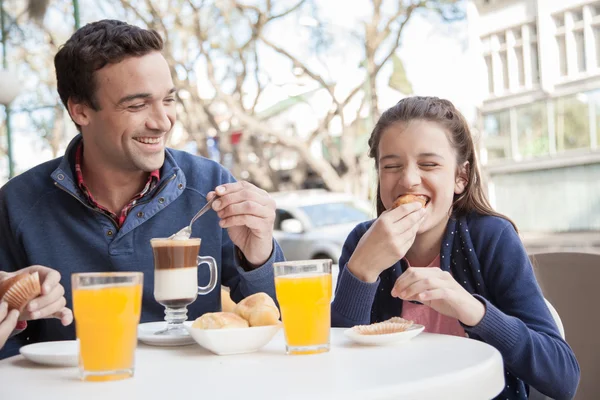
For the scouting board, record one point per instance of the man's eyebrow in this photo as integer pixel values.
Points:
(142, 96)
(135, 96)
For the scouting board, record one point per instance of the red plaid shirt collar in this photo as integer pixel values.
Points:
(119, 219)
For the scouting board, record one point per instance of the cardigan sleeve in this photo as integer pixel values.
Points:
(354, 298)
(518, 323)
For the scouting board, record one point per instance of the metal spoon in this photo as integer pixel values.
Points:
(186, 232)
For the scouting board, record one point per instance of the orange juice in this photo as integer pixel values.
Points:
(106, 320)
(305, 310)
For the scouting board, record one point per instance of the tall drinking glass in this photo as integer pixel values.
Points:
(107, 309)
(303, 291)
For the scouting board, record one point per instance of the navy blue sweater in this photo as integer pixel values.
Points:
(486, 256)
(46, 220)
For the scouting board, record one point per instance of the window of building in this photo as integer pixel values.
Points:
(594, 98)
(497, 135)
(559, 20)
(520, 66)
(517, 35)
(504, 62)
(518, 45)
(562, 54)
(577, 15)
(535, 64)
(576, 126)
(580, 50)
(490, 73)
(572, 39)
(571, 122)
(532, 129)
(597, 40)
(502, 38)
(597, 112)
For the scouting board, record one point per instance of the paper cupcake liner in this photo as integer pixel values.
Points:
(25, 289)
(399, 320)
(393, 325)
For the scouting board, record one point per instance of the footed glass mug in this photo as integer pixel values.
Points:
(176, 265)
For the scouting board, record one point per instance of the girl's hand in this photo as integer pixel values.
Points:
(386, 241)
(51, 303)
(438, 290)
(8, 322)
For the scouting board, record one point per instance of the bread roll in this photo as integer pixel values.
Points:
(410, 198)
(227, 304)
(220, 320)
(258, 309)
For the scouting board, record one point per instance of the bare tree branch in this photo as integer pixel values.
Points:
(289, 11)
(394, 48)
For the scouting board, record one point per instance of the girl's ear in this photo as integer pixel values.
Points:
(462, 178)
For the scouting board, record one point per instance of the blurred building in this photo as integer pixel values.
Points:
(541, 115)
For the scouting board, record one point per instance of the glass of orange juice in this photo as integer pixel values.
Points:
(107, 310)
(303, 291)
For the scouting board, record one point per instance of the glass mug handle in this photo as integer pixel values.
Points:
(212, 266)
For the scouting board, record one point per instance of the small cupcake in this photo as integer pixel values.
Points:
(20, 289)
(392, 325)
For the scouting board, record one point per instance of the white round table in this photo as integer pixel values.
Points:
(429, 366)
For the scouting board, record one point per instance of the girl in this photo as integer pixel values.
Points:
(454, 265)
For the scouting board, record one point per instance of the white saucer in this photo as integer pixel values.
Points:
(146, 334)
(62, 354)
(390, 338)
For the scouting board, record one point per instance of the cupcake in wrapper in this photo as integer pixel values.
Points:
(392, 325)
(20, 289)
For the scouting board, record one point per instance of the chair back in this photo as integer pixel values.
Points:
(571, 282)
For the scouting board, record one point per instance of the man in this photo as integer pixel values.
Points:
(118, 186)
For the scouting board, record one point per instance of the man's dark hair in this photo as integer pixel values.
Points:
(91, 48)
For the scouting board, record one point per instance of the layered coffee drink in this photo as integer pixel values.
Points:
(175, 271)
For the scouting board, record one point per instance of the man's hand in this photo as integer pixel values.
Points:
(248, 213)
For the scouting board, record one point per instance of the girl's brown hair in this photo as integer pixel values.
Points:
(442, 112)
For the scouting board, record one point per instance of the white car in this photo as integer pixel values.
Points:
(313, 224)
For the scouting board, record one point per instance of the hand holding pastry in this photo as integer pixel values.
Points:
(37, 293)
(387, 241)
(410, 198)
(8, 322)
(439, 290)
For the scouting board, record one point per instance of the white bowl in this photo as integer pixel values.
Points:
(385, 339)
(234, 341)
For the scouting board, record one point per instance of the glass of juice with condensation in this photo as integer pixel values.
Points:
(107, 310)
(303, 291)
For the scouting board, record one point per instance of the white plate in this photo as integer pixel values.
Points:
(234, 341)
(146, 334)
(62, 354)
(390, 338)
